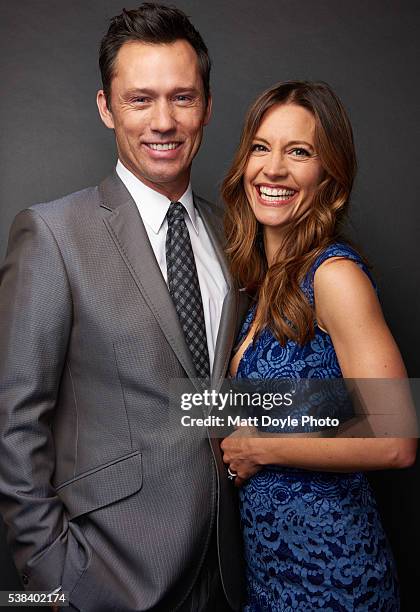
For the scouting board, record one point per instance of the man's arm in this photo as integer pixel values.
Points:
(35, 322)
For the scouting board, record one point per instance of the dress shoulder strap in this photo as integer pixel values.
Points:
(336, 249)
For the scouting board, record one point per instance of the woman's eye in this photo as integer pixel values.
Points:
(258, 148)
(299, 152)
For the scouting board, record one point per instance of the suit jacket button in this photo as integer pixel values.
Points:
(25, 579)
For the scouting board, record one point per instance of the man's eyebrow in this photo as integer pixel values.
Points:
(185, 89)
(139, 91)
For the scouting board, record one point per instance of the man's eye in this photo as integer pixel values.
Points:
(258, 148)
(299, 152)
(182, 98)
(140, 100)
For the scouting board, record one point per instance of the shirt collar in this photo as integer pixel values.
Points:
(152, 205)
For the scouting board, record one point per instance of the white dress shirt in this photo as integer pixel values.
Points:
(153, 207)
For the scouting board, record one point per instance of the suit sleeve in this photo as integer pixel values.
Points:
(35, 324)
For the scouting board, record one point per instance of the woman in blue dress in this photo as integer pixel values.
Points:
(312, 533)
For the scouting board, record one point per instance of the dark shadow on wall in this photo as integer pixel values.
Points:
(397, 494)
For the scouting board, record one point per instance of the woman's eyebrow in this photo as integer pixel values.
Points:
(300, 142)
(289, 143)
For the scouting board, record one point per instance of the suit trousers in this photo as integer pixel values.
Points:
(207, 594)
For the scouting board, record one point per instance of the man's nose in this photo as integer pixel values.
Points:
(163, 119)
(275, 165)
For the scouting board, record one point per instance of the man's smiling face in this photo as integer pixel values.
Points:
(158, 111)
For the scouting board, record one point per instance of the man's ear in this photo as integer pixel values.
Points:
(103, 109)
(207, 116)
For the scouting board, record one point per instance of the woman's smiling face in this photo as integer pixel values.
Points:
(283, 170)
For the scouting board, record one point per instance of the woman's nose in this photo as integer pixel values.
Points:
(275, 166)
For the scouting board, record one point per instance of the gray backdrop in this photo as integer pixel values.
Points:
(52, 141)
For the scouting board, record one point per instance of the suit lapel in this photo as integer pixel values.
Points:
(227, 327)
(129, 234)
(127, 230)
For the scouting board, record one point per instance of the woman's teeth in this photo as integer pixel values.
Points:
(271, 194)
(163, 147)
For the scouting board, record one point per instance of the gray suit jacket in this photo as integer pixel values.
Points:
(100, 491)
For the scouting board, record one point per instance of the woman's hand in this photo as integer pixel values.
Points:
(238, 454)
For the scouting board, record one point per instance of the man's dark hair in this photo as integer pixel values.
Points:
(150, 23)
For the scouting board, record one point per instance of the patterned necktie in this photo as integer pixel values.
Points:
(185, 289)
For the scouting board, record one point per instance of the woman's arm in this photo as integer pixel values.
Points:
(348, 309)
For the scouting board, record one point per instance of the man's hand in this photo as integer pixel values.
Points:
(239, 453)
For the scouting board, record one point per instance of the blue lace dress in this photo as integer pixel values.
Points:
(313, 540)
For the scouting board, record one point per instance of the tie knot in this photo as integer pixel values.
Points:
(175, 212)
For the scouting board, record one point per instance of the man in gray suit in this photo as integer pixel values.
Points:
(107, 295)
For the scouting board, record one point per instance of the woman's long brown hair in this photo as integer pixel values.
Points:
(282, 305)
